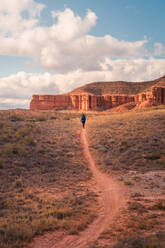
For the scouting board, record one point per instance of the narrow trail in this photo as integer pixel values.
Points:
(111, 199)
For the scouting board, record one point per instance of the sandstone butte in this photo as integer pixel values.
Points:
(104, 95)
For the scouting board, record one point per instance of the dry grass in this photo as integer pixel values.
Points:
(128, 141)
(44, 179)
(43, 176)
(153, 241)
(131, 147)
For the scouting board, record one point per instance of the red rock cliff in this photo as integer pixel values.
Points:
(87, 100)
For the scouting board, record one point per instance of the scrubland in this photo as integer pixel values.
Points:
(130, 147)
(43, 177)
(45, 183)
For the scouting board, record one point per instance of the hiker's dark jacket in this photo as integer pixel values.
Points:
(83, 118)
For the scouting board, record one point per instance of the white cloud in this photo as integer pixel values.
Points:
(159, 49)
(70, 26)
(67, 48)
(67, 45)
(18, 15)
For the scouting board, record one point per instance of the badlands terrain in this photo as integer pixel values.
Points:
(102, 187)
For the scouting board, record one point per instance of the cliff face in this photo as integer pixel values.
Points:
(92, 98)
(48, 102)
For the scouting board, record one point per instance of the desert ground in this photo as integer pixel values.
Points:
(102, 187)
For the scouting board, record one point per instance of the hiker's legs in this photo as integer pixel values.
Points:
(83, 124)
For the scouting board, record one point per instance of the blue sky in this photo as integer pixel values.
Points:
(124, 19)
(50, 47)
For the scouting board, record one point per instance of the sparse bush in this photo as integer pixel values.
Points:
(18, 183)
(151, 156)
(73, 230)
(162, 160)
(160, 205)
(17, 233)
(128, 183)
(29, 141)
(136, 206)
(15, 117)
(63, 213)
(6, 136)
(123, 146)
(20, 135)
(66, 118)
(1, 125)
(43, 169)
(41, 118)
(1, 164)
(19, 150)
(23, 132)
(42, 151)
(37, 130)
(3, 204)
(8, 150)
(53, 117)
(140, 242)
(136, 178)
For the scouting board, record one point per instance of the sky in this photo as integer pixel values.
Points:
(54, 46)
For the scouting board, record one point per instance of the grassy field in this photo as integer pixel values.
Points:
(43, 176)
(45, 183)
(131, 147)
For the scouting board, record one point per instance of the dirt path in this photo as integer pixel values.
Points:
(111, 198)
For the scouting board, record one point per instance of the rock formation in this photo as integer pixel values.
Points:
(101, 96)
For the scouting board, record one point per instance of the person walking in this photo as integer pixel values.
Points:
(83, 120)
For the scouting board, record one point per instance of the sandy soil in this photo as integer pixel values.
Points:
(111, 196)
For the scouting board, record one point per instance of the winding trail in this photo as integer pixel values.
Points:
(111, 199)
